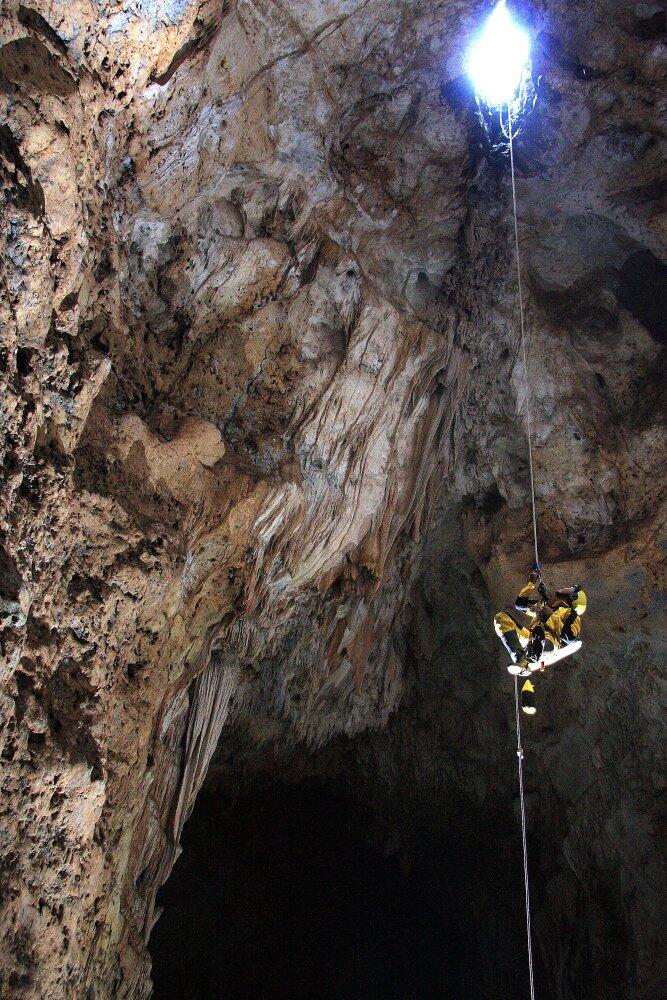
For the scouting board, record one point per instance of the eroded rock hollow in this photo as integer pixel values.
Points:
(264, 484)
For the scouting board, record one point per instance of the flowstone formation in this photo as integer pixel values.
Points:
(264, 460)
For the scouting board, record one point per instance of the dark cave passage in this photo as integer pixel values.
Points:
(280, 897)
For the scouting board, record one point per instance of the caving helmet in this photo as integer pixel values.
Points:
(579, 600)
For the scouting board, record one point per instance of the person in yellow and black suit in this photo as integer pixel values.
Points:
(552, 625)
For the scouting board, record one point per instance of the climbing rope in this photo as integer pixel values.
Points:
(526, 881)
(519, 747)
(524, 352)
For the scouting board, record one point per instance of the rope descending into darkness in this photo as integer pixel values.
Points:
(519, 748)
(526, 881)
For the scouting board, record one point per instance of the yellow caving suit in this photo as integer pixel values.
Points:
(562, 626)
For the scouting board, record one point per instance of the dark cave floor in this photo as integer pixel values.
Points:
(277, 896)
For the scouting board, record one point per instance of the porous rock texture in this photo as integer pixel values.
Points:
(264, 449)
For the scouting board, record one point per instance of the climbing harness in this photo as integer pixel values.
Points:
(519, 747)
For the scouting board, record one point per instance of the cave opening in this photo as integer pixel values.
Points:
(282, 894)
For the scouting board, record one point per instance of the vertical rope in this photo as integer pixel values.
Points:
(529, 428)
(526, 881)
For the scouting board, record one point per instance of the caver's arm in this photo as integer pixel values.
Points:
(527, 603)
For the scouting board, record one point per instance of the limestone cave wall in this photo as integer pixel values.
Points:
(264, 454)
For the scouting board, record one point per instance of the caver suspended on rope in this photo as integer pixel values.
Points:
(499, 65)
(500, 70)
(551, 633)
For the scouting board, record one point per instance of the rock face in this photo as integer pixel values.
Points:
(264, 456)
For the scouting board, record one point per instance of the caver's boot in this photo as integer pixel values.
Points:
(528, 698)
(510, 641)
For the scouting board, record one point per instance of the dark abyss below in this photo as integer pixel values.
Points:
(278, 896)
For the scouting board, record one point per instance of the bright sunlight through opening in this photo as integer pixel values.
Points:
(499, 60)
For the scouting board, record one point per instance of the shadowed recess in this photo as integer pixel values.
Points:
(278, 896)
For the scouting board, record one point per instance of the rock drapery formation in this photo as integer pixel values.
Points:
(264, 462)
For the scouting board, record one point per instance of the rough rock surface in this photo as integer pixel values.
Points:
(264, 456)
